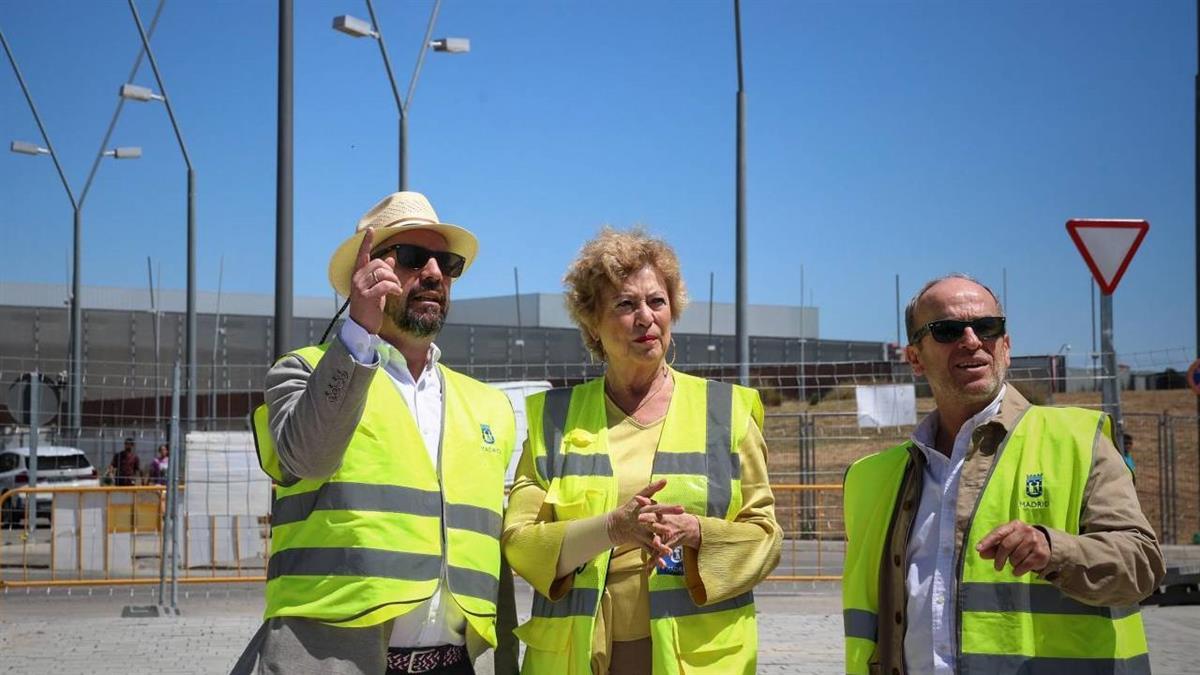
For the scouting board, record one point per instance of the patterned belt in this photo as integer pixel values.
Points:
(425, 659)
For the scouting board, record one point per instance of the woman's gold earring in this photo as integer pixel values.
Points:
(671, 363)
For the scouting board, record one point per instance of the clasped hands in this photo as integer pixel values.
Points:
(656, 528)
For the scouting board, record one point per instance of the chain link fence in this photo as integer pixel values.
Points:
(1166, 471)
(815, 428)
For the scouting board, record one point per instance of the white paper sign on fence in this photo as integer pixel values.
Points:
(223, 476)
(886, 405)
(227, 500)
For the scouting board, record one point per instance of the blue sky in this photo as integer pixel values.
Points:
(883, 137)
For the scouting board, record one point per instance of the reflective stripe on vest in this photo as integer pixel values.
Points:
(667, 603)
(384, 499)
(573, 465)
(1022, 597)
(554, 422)
(860, 623)
(366, 544)
(1006, 624)
(990, 664)
(577, 602)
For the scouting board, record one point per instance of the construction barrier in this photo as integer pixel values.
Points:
(814, 533)
(114, 536)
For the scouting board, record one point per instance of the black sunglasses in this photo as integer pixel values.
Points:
(951, 330)
(415, 257)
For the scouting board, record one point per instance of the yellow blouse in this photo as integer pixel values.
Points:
(734, 556)
(630, 447)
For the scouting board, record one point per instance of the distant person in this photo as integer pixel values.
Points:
(1003, 537)
(388, 471)
(158, 465)
(1127, 453)
(125, 467)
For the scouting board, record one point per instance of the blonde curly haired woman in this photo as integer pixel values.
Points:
(641, 514)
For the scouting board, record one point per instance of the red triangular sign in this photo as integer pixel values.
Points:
(1107, 247)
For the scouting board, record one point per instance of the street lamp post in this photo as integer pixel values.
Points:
(356, 27)
(75, 377)
(741, 309)
(136, 93)
(1055, 373)
(75, 329)
(282, 333)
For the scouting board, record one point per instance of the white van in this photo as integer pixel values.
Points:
(58, 466)
(516, 392)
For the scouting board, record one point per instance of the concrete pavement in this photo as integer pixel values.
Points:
(82, 632)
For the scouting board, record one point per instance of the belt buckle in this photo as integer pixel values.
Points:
(412, 661)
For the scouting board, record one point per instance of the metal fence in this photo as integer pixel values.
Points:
(1167, 466)
(120, 536)
(119, 336)
(814, 532)
(115, 536)
(814, 429)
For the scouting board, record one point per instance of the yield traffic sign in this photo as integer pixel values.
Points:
(1107, 247)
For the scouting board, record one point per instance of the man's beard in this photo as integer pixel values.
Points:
(418, 323)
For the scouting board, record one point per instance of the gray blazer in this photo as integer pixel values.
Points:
(312, 415)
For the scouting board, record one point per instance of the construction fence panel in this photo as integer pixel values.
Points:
(114, 536)
(820, 418)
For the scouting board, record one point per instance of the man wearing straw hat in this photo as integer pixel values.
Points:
(389, 473)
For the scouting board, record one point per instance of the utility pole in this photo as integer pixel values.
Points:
(899, 344)
(1095, 354)
(740, 309)
(520, 329)
(283, 186)
(1196, 219)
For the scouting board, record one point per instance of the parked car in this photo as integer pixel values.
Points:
(58, 466)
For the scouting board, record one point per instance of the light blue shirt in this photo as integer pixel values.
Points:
(931, 578)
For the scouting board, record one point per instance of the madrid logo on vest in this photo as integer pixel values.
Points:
(1035, 492)
(489, 439)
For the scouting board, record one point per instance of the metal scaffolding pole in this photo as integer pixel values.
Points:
(740, 306)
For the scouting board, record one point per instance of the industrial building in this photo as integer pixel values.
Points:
(131, 343)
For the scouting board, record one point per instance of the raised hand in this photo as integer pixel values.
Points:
(1019, 543)
(370, 284)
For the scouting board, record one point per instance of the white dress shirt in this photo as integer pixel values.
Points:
(932, 574)
(439, 620)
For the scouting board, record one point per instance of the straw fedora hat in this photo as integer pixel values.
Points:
(395, 212)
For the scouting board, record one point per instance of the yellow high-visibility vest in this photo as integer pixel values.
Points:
(369, 543)
(1006, 624)
(697, 454)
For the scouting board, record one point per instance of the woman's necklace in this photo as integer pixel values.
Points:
(662, 381)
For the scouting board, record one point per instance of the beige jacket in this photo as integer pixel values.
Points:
(1115, 561)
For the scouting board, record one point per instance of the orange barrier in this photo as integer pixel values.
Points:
(814, 533)
(113, 536)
